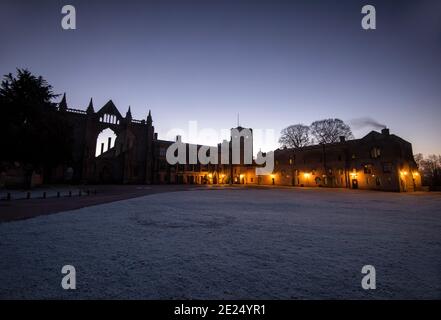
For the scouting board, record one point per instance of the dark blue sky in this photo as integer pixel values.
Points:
(275, 62)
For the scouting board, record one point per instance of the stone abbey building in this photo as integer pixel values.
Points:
(133, 154)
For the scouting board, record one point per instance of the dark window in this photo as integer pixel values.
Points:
(375, 153)
(387, 167)
(377, 181)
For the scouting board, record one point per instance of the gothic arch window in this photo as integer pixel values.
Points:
(109, 118)
(105, 141)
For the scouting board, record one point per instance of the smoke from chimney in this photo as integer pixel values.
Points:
(361, 123)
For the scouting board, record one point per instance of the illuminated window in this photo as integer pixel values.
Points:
(368, 169)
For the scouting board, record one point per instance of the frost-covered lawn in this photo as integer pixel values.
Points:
(231, 244)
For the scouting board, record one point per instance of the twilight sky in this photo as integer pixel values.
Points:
(275, 62)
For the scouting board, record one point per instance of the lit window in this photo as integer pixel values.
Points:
(368, 169)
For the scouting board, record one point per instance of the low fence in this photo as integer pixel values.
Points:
(26, 195)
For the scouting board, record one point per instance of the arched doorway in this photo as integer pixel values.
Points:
(354, 184)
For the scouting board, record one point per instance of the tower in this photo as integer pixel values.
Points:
(149, 152)
(62, 106)
(90, 109)
(129, 115)
(149, 119)
(242, 145)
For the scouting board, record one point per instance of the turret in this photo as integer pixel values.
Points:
(129, 115)
(62, 106)
(149, 119)
(90, 109)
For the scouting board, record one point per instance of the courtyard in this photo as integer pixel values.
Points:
(230, 243)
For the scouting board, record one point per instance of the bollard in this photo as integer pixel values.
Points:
(44, 195)
(88, 192)
(28, 195)
(79, 193)
(8, 196)
(70, 193)
(58, 194)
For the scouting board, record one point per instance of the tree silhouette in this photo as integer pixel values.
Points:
(31, 130)
(295, 136)
(330, 130)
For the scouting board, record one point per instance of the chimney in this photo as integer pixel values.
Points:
(156, 136)
(385, 131)
(342, 139)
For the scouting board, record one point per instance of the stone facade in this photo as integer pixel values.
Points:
(378, 161)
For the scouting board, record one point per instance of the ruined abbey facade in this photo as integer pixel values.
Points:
(133, 154)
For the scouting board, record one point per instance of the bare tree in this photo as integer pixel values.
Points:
(295, 136)
(419, 158)
(431, 164)
(430, 168)
(330, 130)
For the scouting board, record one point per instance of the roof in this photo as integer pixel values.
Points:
(110, 108)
